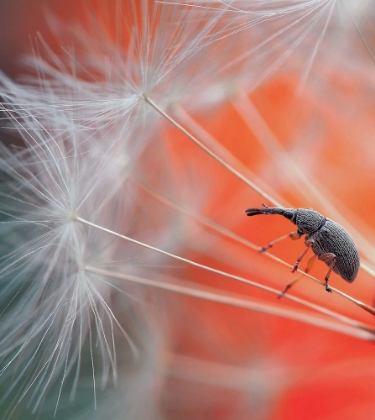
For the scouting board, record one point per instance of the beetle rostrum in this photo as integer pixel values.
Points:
(329, 241)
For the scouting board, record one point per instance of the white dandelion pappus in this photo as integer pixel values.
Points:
(167, 52)
(52, 305)
(57, 175)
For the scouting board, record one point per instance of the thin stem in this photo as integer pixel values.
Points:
(368, 269)
(210, 141)
(211, 295)
(363, 39)
(256, 123)
(254, 187)
(196, 216)
(212, 154)
(241, 279)
(372, 55)
(270, 143)
(227, 233)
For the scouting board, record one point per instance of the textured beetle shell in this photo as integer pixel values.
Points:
(308, 220)
(333, 238)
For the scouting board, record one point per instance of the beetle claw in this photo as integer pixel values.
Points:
(287, 287)
(328, 289)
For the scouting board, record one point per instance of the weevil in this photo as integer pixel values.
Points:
(329, 241)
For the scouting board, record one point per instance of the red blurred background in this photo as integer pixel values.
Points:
(227, 362)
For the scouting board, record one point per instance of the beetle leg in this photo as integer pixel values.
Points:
(309, 265)
(287, 287)
(330, 260)
(295, 235)
(291, 235)
(308, 243)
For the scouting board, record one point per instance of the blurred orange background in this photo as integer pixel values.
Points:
(225, 362)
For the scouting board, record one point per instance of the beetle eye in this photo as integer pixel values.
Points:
(289, 214)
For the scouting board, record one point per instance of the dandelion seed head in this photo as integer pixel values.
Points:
(60, 173)
(147, 53)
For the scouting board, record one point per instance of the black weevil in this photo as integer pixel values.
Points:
(329, 241)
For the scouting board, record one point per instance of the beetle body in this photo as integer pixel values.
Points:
(328, 240)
